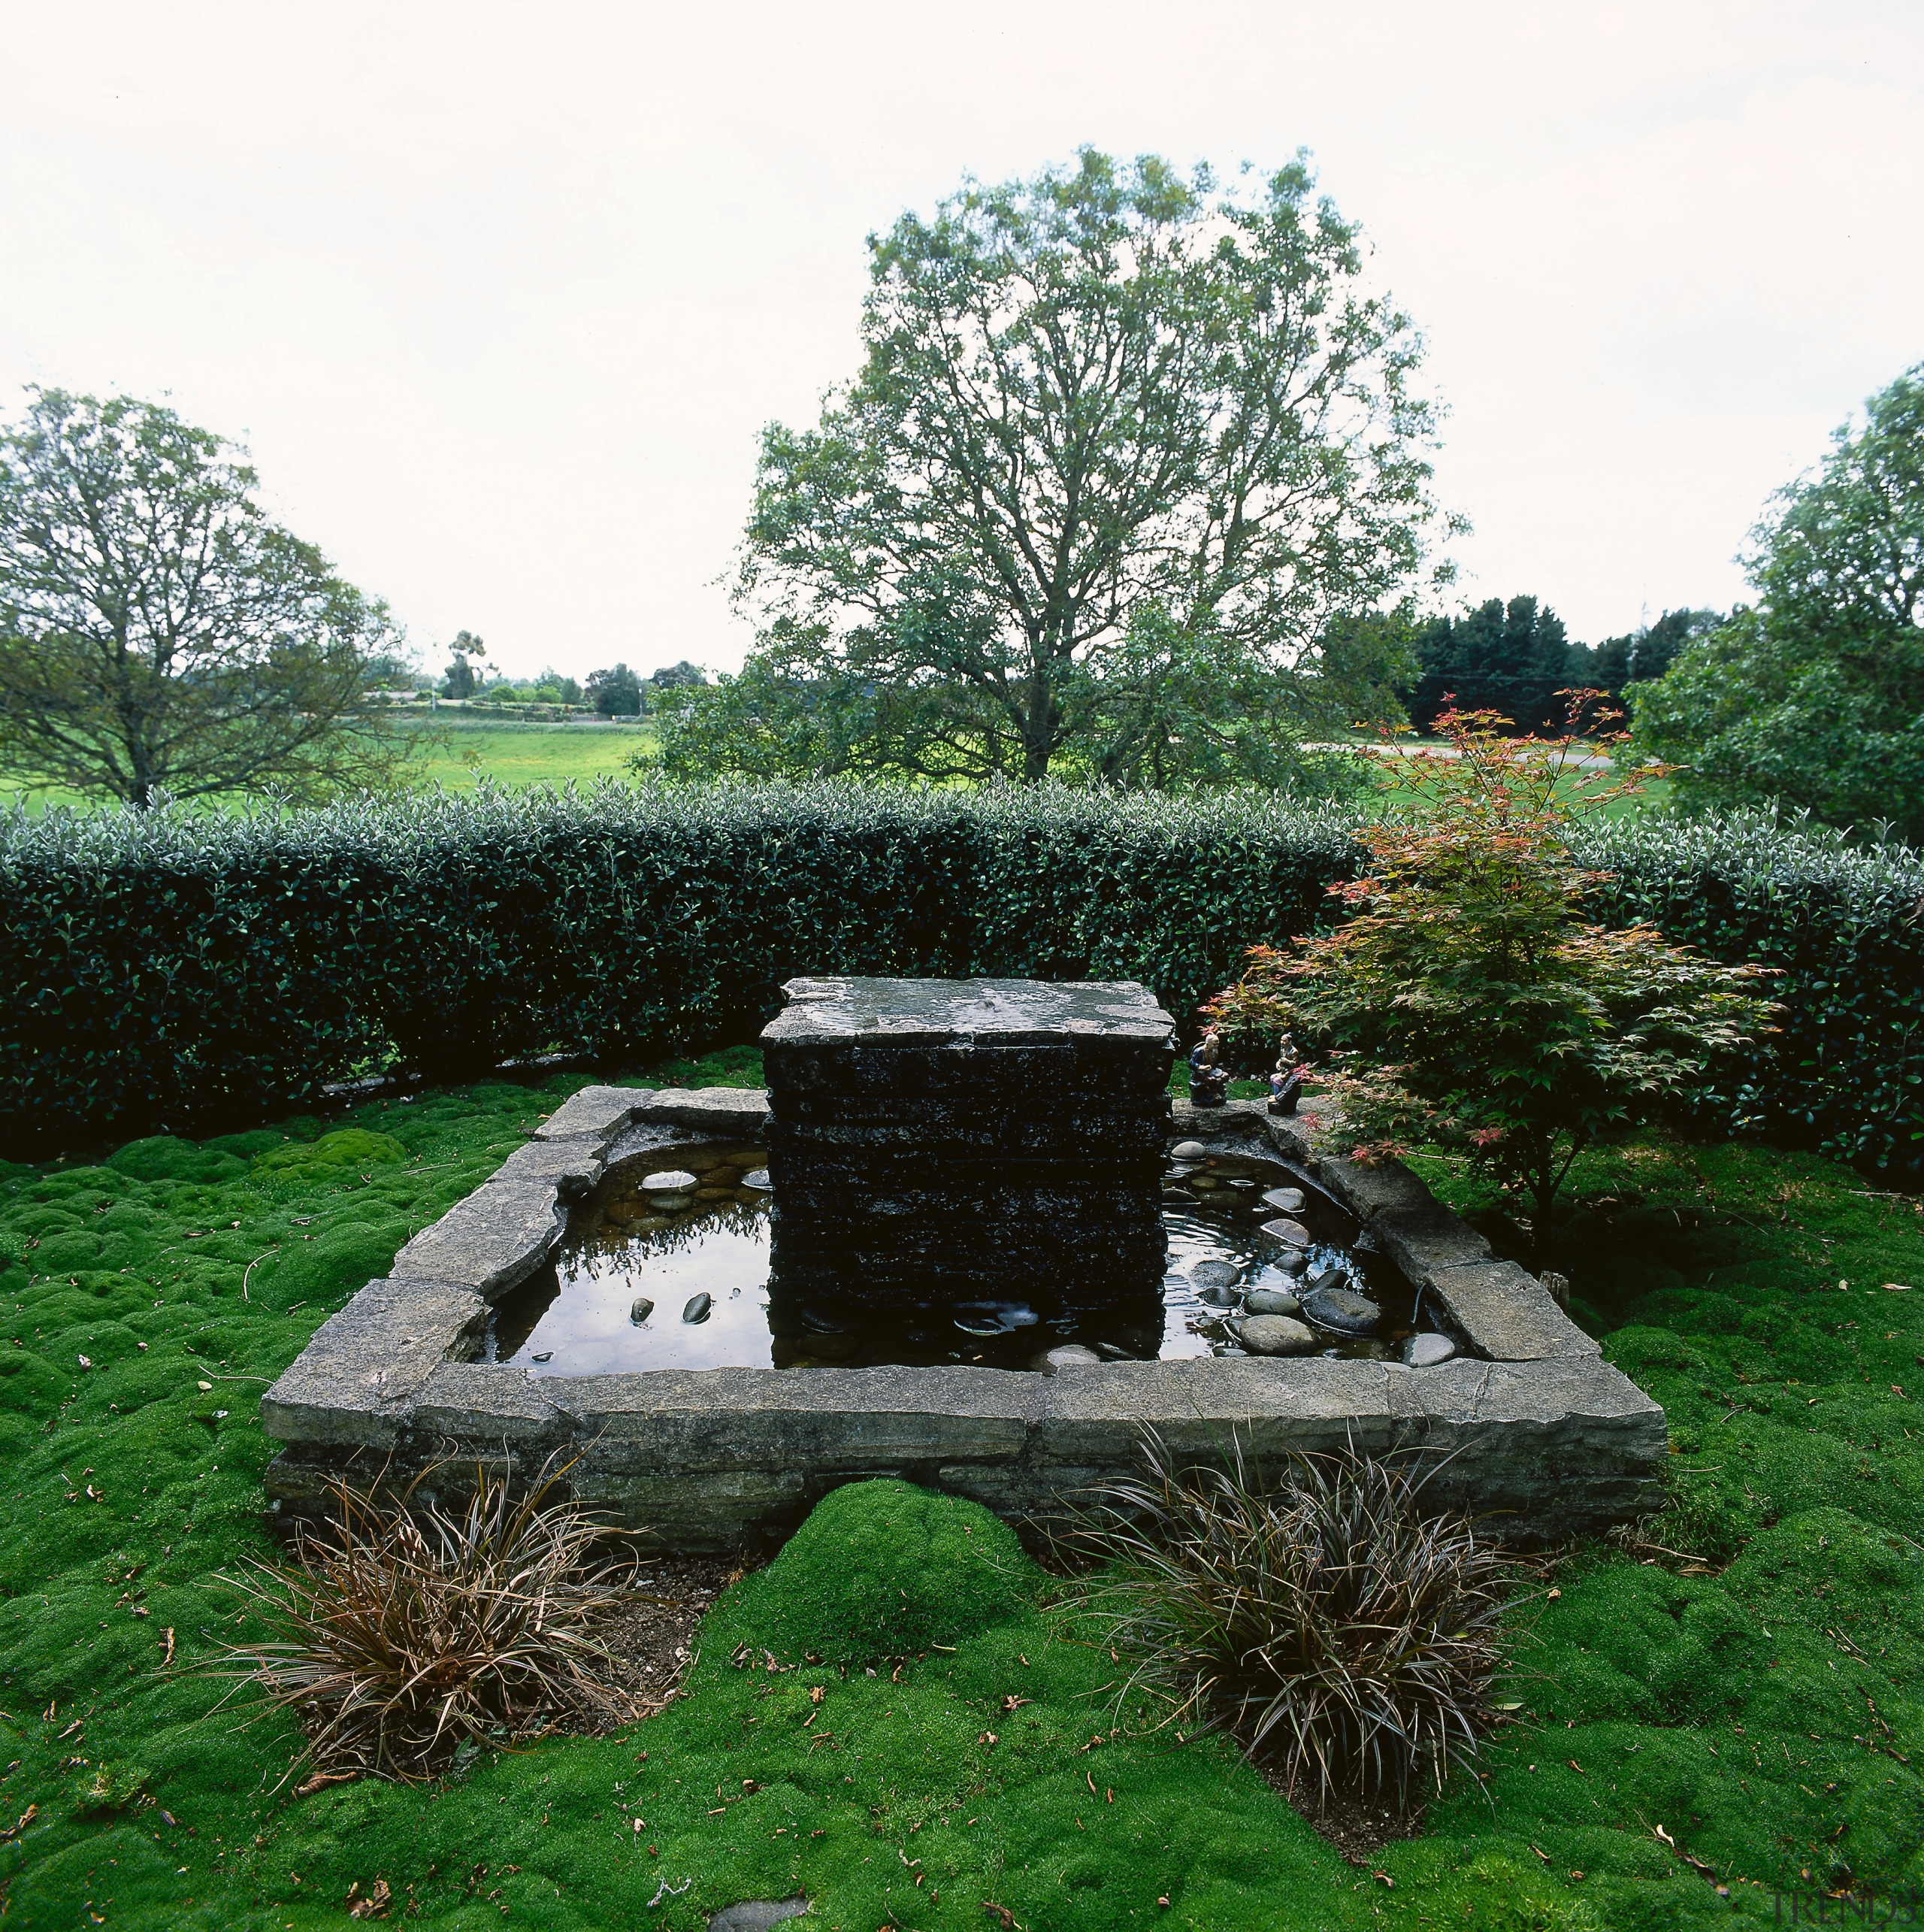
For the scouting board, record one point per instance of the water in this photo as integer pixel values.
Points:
(575, 1317)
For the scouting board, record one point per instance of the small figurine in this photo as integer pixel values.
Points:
(1208, 1083)
(1286, 1083)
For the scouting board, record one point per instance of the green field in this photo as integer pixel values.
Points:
(512, 754)
(1733, 1702)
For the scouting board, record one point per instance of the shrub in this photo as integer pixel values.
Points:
(164, 969)
(1347, 1640)
(409, 1631)
(1471, 993)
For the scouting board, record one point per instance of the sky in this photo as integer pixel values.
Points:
(499, 296)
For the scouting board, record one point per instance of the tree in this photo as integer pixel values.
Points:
(1113, 429)
(1640, 655)
(615, 693)
(1513, 658)
(462, 680)
(1469, 997)
(1814, 697)
(158, 633)
(678, 676)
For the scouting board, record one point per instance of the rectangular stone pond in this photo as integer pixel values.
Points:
(1006, 1139)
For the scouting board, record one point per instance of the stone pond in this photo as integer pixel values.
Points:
(965, 1238)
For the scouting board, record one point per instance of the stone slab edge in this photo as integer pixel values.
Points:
(1562, 1439)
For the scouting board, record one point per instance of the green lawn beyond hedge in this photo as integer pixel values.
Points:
(1737, 1721)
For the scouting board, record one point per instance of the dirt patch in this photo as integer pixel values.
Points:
(651, 1637)
(1358, 1828)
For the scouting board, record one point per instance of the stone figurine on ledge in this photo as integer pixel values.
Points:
(1208, 1081)
(1286, 1083)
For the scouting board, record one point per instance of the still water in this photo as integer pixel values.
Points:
(658, 1273)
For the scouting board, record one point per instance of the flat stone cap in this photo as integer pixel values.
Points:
(982, 1013)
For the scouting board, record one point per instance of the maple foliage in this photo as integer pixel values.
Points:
(1465, 997)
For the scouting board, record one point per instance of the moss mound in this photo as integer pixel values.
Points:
(883, 1569)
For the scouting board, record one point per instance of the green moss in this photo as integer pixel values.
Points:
(1768, 1714)
(885, 1570)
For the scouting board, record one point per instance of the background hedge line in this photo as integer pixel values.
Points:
(174, 971)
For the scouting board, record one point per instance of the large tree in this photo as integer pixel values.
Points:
(1512, 658)
(158, 632)
(1122, 449)
(1814, 697)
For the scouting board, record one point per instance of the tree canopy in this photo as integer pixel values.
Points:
(1127, 455)
(1814, 697)
(158, 632)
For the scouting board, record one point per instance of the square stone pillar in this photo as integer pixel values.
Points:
(934, 1140)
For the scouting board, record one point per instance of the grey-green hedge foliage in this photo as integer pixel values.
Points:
(175, 969)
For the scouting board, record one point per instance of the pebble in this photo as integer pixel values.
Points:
(1291, 1261)
(1236, 1181)
(1189, 1150)
(1294, 1232)
(1286, 1199)
(697, 1307)
(1427, 1351)
(1204, 1181)
(1215, 1274)
(670, 1204)
(715, 1194)
(642, 1309)
(1070, 1355)
(670, 1180)
(649, 1224)
(1340, 1309)
(1109, 1351)
(547, 1355)
(1274, 1335)
(1218, 1296)
(1270, 1301)
(1329, 1278)
(758, 1179)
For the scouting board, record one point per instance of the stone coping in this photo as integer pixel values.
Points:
(871, 1013)
(1535, 1428)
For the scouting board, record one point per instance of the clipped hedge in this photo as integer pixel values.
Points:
(1844, 930)
(172, 970)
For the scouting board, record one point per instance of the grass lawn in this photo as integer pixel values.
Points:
(514, 754)
(1736, 1709)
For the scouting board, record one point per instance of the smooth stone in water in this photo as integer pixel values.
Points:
(1329, 1278)
(1274, 1335)
(547, 1355)
(1215, 1274)
(670, 1180)
(1427, 1351)
(649, 1224)
(1291, 1261)
(1338, 1308)
(758, 1179)
(1207, 1181)
(715, 1194)
(1109, 1351)
(1237, 1181)
(1294, 1232)
(643, 1307)
(1189, 1150)
(1270, 1301)
(697, 1308)
(1218, 1296)
(1070, 1355)
(1286, 1199)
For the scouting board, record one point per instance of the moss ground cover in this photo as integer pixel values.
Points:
(1761, 1705)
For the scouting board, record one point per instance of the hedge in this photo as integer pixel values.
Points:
(173, 970)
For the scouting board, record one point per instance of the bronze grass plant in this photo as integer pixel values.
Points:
(1344, 1637)
(409, 1628)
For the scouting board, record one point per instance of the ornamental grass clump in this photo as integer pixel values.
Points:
(1344, 1637)
(408, 1629)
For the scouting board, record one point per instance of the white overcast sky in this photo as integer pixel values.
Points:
(500, 296)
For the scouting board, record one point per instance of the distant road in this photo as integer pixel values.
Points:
(1595, 761)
